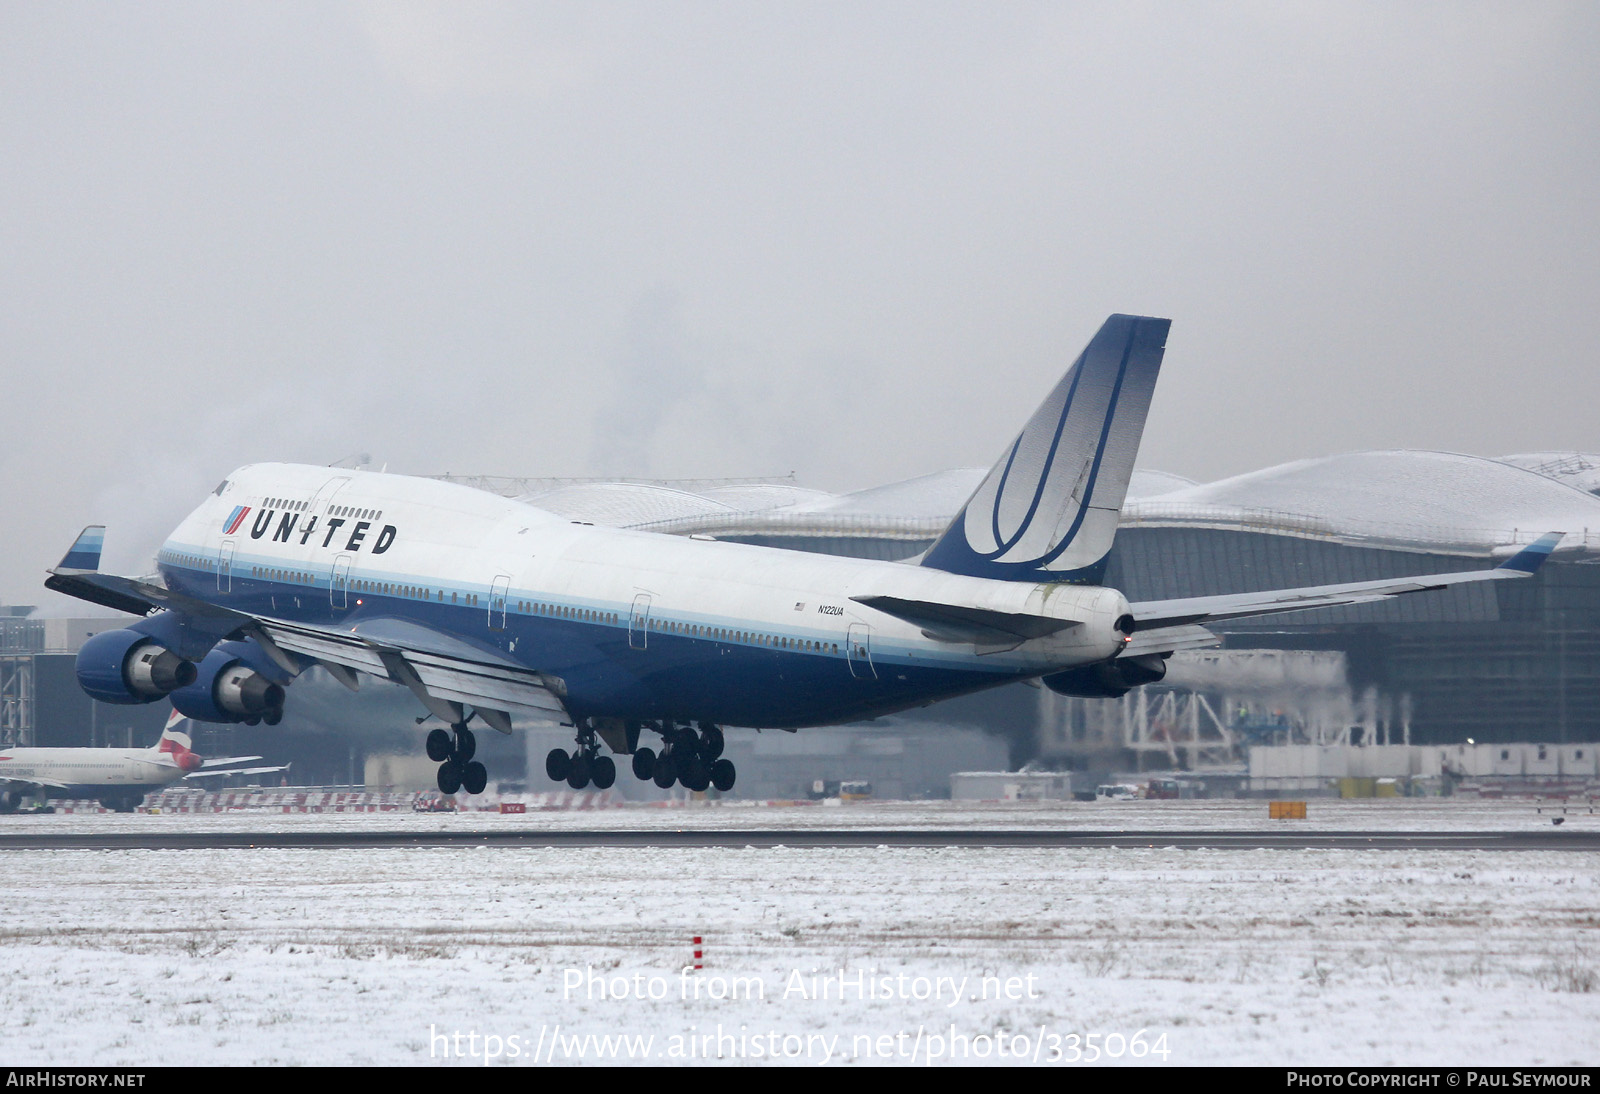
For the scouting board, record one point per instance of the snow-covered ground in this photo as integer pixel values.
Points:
(1188, 957)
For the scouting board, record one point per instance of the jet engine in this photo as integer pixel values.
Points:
(234, 684)
(126, 666)
(1108, 679)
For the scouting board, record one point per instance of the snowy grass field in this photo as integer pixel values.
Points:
(1135, 957)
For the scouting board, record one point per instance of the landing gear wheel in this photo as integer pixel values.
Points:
(578, 772)
(273, 716)
(664, 777)
(449, 777)
(711, 743)
(722, 775)
(466, 744)
(438, 746)
(644, 763)
(695, 777)
(557, 764)
(474, 777)
(604, 772)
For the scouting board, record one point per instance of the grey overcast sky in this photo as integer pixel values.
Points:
(853, 241)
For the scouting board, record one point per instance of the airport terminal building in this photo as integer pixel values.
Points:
(1502, 661)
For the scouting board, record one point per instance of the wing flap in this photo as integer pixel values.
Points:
(451, 678)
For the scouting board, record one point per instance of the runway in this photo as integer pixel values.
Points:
(1552, 839)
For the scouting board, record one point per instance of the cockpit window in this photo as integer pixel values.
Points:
(221, 486)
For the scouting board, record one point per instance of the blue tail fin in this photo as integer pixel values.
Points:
(1048, 510)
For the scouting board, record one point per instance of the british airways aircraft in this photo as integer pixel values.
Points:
(484, 607)
(118, 777)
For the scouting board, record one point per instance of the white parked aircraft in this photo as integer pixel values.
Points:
(118, 777)
(483, 606)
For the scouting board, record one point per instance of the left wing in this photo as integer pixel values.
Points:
(1162, 626)
(442, 671)
(34, 780)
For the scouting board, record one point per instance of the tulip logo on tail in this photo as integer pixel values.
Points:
(235, 518)
(1048, 509)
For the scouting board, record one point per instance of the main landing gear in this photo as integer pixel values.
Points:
(693, 759)
(453, 750)
(583, 765)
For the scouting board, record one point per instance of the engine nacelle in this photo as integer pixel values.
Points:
(228, 688)
(126, 666)
(1108, 679)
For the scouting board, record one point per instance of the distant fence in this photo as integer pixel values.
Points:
(312, 800)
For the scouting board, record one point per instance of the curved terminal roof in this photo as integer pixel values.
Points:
(1577, 469)
(627, 504)
(1421, 500)
(1150, 484)
(1434, 501)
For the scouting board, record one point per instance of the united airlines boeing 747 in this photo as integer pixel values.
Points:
(484, 607)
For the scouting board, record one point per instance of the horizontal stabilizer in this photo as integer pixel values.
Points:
(236, 771)
(958, 623)
(1162, 640)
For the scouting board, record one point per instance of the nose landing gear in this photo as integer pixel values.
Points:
(457, 769)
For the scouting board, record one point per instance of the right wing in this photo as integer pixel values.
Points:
(1163, 626)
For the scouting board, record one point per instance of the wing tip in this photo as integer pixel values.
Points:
(1530, 558)
(84, 554)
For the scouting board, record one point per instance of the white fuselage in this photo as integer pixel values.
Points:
(89, 769)
(637, 624)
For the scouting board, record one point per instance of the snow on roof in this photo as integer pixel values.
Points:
(940, 495)
(1437, 500)
(1441, 501)
(1576, 469)
(1150, 484)
(626, 504)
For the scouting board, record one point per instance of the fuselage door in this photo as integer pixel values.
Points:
(339, 583)
(859, 644)
(225, 567)
(497, 602)
(639, 622)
